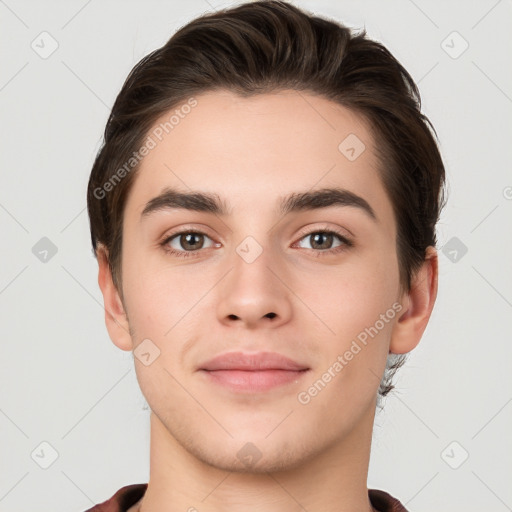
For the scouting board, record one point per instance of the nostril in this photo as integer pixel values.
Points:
(271, 315)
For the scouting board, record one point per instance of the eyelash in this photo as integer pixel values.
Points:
(346, 243)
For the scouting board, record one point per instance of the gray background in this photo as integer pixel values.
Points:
(64, 383)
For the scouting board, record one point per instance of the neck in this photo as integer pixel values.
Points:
(333, 480)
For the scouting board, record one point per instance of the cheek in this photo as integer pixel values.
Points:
(166, 304)
(351, 296)
(357, 305)
(354, 358)
(148, 294)
(153, 303)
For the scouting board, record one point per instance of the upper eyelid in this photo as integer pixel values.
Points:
(303, 233)
(310, 231)
(184, 231)
(344, 239)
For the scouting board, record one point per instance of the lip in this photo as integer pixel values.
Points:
(253, 381)
(253, 372)
(252, 362)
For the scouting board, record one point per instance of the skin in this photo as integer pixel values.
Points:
(251, 152)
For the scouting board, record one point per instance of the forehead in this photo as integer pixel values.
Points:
(253, 150)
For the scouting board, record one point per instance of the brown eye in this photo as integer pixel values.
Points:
(187, 243)
(324, 240)
(321, 240)
(191, 241)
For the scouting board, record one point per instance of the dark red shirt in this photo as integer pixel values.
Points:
(128, 495)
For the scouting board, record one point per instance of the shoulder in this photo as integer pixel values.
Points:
(122, 500)
(128, 495)
(384, 502)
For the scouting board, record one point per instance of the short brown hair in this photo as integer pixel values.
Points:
(263, 47)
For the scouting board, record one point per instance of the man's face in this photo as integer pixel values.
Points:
(257, 280)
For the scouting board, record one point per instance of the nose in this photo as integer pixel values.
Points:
(254, 293)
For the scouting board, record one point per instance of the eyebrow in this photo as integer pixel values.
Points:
(296, 202)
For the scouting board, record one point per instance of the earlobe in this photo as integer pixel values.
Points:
(418, 305)
(116, 319)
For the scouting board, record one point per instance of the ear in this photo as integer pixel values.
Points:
(418, 303)
(116, 319)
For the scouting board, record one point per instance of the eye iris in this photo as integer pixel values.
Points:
(187, 240)
(319, 237)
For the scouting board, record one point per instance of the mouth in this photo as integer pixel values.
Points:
(254, 381)
(252, 362)
(253, 372)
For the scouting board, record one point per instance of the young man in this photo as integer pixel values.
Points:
(263, 212)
